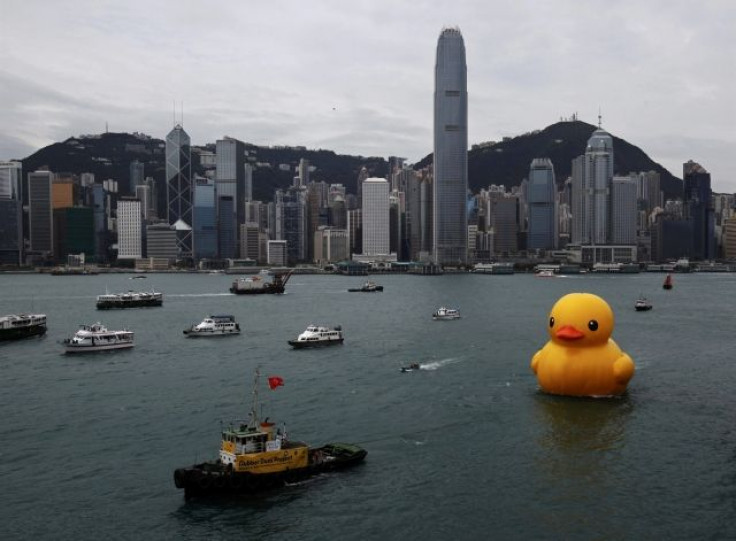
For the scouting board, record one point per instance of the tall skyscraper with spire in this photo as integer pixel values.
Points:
(179, 187)
(450, 186)
(592, 177)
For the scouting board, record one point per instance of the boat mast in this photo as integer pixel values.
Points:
(254, 407)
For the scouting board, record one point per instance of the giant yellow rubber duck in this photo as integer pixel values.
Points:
(581, 358)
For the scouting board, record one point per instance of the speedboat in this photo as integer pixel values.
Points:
(446, 313)
(410, 368)
(90, 338)
(214, 326)
(642, 304)
(317, 336)
(545, 273)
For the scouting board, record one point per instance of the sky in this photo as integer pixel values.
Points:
(357, 76)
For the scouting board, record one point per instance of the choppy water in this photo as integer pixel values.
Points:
(465, 448)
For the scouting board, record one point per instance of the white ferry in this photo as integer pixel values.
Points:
(318, 336)
(14, 326)
(214, 326)
(446, 313)
(96, 337)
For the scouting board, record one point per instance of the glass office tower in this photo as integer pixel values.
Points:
(450, 239)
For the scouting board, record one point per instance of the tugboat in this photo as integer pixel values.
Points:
(13, 326)
(316, 336)
(642, 304)
(91, 338)
(257, 455)
(368, 287)
(214, 326)
(131, 299)
(667, 282)
(446, 313)
(256, 285)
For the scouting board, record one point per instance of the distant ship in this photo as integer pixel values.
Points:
(13, 327)
(91, 338)
(131, 299)
(318, 336)
(257, 285)
(214, 326)
(446, 313)
(367, 287)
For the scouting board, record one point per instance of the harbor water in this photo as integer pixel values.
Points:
(467, 447)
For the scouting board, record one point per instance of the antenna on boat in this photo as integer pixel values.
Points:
(254, 408)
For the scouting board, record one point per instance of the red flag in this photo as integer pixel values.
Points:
(275, 381)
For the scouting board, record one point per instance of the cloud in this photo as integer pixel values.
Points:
(359, 75)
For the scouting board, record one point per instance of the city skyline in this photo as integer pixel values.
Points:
(658, 72)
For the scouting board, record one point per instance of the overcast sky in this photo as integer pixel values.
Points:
(356, 77)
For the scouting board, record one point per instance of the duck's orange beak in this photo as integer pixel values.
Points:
(568, 332)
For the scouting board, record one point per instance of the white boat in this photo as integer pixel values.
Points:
(214, 326)
(96, 337)
(546, 273)
(642, 304)
(446, 313)
(317, 336)
(20, 326)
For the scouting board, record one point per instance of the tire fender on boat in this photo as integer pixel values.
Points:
(180, 478)
(236, 481)
(252, 482)
(204, 481)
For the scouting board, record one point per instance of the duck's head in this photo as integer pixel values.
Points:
(580, 319)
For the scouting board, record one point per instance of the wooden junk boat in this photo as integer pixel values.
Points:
(257, 455)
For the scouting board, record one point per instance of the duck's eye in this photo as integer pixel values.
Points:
(551, 322)
(593, 325)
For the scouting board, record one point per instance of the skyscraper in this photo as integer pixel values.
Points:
(230, 183)
(179, 184)
(541, 194)
(130, 229)
(450, 150)
(205, 219)
(592, 175)
(699, 209)
(11, 213)
(40, 219)
(623, 210)
(376, 217)
(136, 175)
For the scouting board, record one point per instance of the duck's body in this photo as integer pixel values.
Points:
(581, 359)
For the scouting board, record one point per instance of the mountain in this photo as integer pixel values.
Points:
(507, 162)
(109, 155)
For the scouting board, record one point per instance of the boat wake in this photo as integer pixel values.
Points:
(436, 365)
(201, 295)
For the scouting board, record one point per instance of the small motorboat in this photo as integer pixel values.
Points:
(214, 326)
(318, 336)
(410, 368)
(545, 273)
(446, 313)
(642, 304)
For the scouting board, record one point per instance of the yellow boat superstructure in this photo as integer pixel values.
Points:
(261, 449)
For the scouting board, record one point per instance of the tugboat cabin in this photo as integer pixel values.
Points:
(262, 449)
